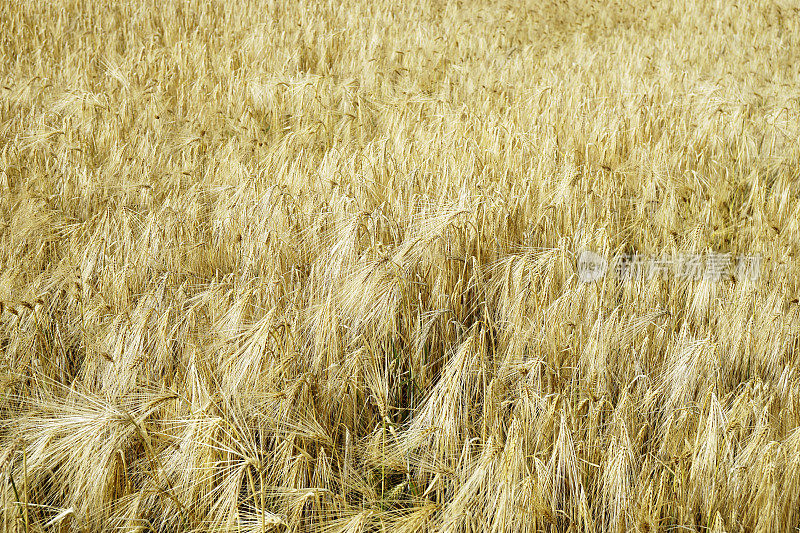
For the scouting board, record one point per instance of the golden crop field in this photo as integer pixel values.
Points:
(349, 266)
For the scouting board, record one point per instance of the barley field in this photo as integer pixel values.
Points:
(315, 266)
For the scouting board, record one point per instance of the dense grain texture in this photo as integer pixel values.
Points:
(298, 266)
